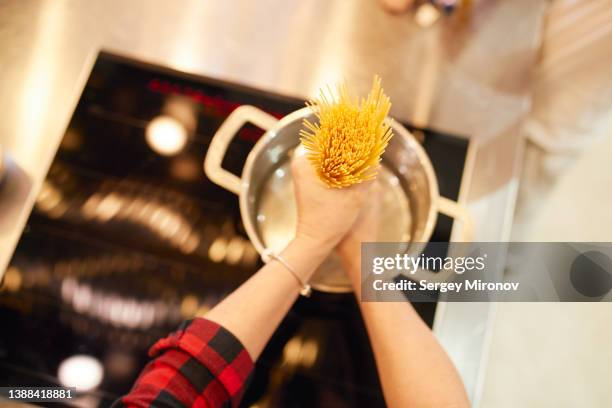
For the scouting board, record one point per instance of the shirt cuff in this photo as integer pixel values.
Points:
(216, 349)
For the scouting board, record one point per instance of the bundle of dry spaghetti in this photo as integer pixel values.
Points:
(346, 145)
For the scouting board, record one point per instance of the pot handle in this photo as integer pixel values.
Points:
(459, 213)
(223, 137)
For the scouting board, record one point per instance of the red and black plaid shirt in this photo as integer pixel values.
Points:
(200, 365)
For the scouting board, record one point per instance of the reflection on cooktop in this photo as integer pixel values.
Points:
(128, 238)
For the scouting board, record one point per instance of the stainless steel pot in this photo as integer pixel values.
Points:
(410, 202)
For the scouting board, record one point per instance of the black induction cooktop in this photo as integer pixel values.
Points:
(128, 238)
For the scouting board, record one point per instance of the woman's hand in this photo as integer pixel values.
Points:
(365, 229)
(325, 214)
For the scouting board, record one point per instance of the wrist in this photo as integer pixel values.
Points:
(315, 247)
(305, 254)
(350, 258)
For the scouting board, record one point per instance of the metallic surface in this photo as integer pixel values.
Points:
(468, 76)
(409, 188)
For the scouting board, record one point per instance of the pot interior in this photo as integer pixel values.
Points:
(406, 195)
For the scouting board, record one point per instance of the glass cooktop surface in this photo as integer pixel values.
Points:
(128, 238)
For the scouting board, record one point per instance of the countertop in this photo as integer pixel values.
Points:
(464, 76)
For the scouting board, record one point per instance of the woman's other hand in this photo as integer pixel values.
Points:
(325, 214)
(365, 229)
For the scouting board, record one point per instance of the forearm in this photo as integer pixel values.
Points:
(190, 363)
(254, 310)
(414, 369)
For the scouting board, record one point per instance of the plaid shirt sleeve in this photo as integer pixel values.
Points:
(200, 365)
